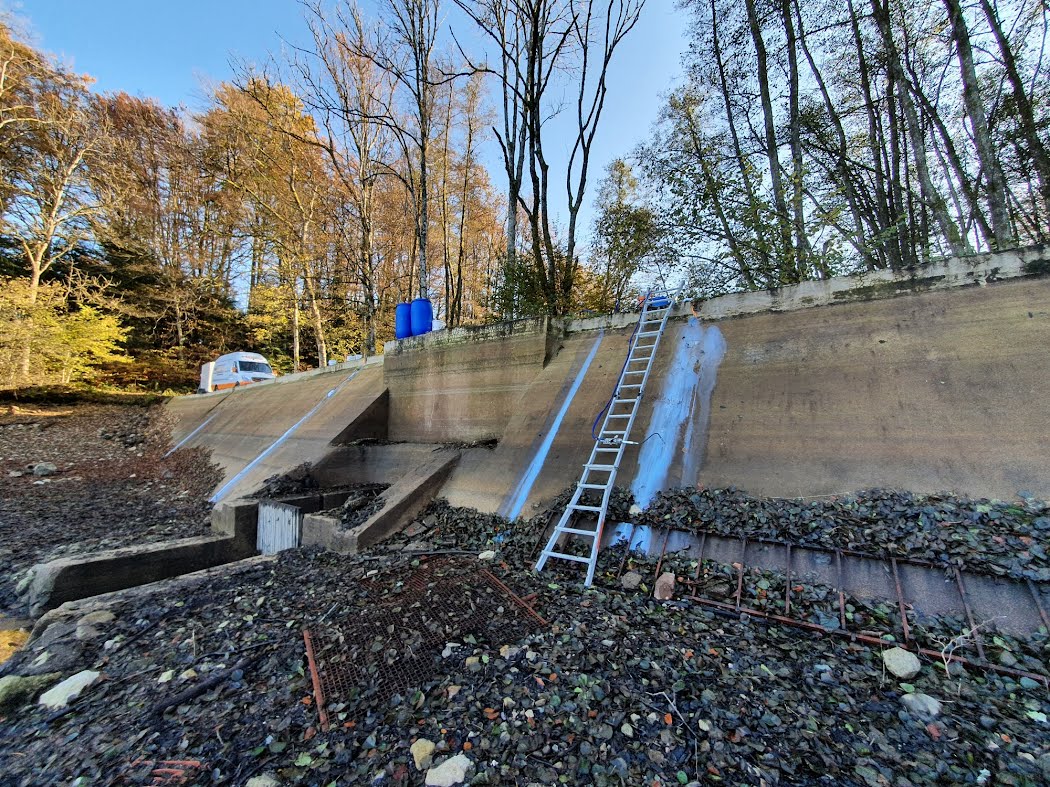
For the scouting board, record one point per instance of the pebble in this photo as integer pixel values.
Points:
(16, 690)
(423, 753)
(487, 555)
(901, 663)
(453, 771)
(68, 690)
(664, 590)
(44, 468)
(631, 580)
(922, 705)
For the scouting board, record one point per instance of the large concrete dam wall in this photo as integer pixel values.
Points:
(931, 380)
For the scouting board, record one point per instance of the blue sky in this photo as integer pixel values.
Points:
(171, 50)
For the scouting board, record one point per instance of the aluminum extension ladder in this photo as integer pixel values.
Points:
(599, 474)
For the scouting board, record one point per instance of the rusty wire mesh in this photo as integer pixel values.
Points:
(391, 642)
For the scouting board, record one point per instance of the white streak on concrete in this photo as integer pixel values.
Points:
(190, 436)
(229, 485)
(513, 506)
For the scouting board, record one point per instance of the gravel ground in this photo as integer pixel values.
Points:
(988, 536)
(111, 485)
(620, 689)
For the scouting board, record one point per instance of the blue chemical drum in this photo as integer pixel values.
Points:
(422, 316)
(403, 321)
(659, 302)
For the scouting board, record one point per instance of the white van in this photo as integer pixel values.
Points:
(233, 370)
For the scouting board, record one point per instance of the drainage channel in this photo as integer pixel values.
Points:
(917, 591)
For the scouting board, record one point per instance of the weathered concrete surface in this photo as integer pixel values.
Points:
(72, 611)
(402, 501)
(462, 385)
(234, 524)
(370, 464)
(487, 480)
(260, 430)
(938, 391)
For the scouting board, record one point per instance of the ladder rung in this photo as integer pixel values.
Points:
(618, 415)
(632, 385)
(607, 450)
(593, 486)
(600, 467)
(577, 532)
(578, 507)
(648, 333)
(563, 556)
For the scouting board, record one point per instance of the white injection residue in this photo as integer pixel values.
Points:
(680, 415)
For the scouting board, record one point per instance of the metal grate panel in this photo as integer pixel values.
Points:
(392, 641)
(280, 527)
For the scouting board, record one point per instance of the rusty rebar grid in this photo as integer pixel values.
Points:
(892, 562)
(390, 642)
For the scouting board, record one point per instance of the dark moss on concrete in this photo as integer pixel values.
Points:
(887, 289)
(1040, 267)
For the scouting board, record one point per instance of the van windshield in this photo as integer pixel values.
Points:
(254, 366)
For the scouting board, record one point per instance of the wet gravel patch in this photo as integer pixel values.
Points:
(986, 536)
(101, 481)
(619, 689)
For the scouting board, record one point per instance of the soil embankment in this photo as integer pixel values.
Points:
(87, 477)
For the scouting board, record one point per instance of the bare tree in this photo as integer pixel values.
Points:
(352, 98)
(989, 161)
(536, 41)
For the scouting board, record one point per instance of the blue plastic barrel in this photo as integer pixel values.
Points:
(659, 302)
(403, 321)
(422, 316)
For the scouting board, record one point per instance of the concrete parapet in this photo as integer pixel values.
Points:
(237, 519)
(950, 273)
(403, 500)
(72, 578)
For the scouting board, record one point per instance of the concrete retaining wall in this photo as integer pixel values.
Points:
(932, 379)
(462, 385)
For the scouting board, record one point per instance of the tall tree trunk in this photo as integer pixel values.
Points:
(802, 262)
(989, 161)
(931, 198)
(1025, 112)
(315, 312)
(295, 324)
(788, 255)
(754, 204)
(892, 245)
